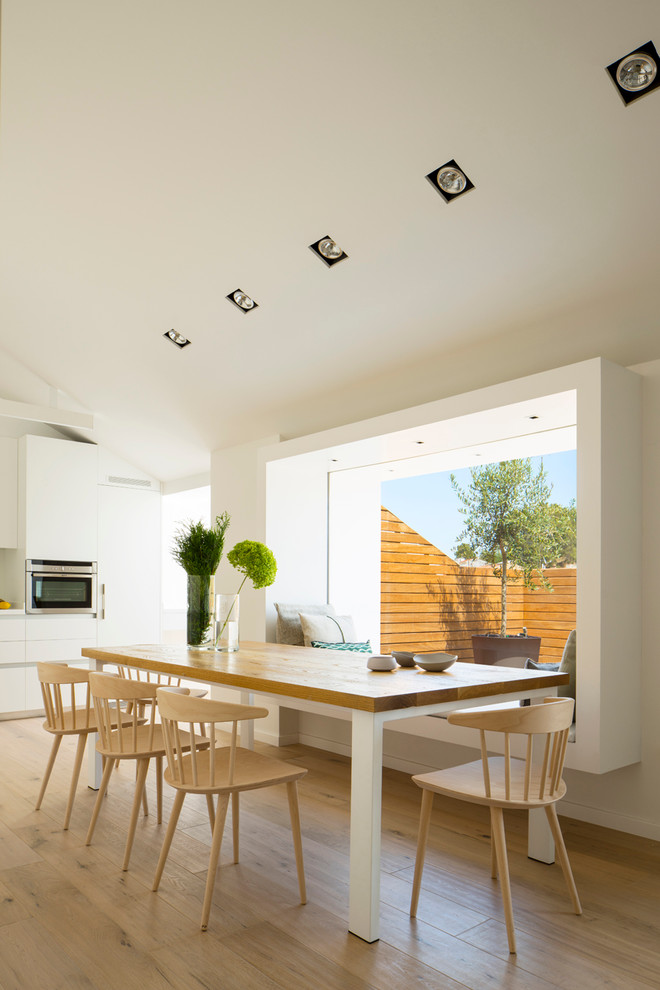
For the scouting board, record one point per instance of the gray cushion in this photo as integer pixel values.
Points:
(537, 665)
(289, 629)
(568, 663)
(327, 628)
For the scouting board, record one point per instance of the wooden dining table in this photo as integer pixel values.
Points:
(330, 682)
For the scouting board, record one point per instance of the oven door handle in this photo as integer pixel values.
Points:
(102, 609)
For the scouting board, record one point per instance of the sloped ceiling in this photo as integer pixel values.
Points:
(156, 155)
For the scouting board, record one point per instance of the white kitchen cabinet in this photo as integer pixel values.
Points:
(12, 689)
(57, 498)
(8, 492)
(129, 566)
(12, 664)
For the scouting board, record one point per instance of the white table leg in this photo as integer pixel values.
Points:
(366, 787)
(94, 759)
(540, 844)
(247, 727)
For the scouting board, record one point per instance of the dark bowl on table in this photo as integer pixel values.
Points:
(403, 658)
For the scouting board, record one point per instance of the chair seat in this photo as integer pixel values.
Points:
(466, 783)
(252, 770)
(84, 722)
(140, 744)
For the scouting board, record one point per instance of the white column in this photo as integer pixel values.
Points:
(366, 786)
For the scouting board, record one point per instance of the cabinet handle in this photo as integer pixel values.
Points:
(102, 616)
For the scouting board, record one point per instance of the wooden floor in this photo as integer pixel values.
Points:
(70, 918)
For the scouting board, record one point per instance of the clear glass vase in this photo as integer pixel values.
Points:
(199, 620)
(226, 623)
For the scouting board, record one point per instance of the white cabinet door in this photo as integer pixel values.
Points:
(12, 689)
(59, 478)
(8, 492)
(129, 566)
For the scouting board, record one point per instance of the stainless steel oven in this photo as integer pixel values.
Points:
(58, 587)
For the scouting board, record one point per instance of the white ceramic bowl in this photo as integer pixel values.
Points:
(381, 663)
(435, 662)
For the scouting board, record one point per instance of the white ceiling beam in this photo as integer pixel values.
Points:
(46, 414)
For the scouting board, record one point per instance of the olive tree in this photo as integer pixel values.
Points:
(510, 523)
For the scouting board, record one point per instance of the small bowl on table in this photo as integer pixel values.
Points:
(403, 658)
(435, 662)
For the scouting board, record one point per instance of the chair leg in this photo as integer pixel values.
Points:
(210, 806)
(57, 740)
(294, 809)
(145, 803)
(218, 829)
(159, 789)
(80, 752)
(107, 770)
(234, 823)
(142, 768)
(551, 813)
(422, 837)
(499, 839)
(493, 860)
(169, 835)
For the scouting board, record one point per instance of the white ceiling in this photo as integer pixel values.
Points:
(156, 155)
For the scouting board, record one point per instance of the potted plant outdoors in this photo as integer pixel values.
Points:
(198, 549)
(510, 523)
(256, 562)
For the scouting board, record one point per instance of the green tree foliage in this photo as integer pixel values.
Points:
(510, 522)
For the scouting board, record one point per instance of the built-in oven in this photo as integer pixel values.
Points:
(57, 587)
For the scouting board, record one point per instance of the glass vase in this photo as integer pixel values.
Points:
(199, 620)
(226, 623)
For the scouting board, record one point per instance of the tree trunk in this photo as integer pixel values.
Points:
(503, 592)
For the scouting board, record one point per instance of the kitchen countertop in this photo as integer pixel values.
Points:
(11, 611)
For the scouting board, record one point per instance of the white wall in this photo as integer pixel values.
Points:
(627, 798)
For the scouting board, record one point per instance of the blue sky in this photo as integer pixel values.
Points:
(429, 505)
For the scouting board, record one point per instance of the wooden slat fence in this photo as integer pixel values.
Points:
(429, 602)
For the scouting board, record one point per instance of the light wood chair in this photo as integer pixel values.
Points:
(139, 739)
(160, 680)
(221, 770)
(65, 716)
(506, 782)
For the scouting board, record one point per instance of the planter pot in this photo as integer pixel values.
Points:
(199, 619)
(496, 649)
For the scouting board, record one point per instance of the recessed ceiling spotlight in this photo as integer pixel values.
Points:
(176, 338)
(328, 250)
(450, 181)
(532, 417)
(240, 299)
(636, 73)
(419, 441)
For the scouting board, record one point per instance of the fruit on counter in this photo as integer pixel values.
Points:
(4, 604)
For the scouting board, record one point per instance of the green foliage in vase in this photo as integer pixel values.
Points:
(255, 561)
(198, 548)
(200, 608)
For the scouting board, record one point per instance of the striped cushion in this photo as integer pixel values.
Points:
(347, 647)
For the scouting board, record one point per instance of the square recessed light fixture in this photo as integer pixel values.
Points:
(636, 74)
(176, 338)
(450, 181)
(242, 301)
(328, 251)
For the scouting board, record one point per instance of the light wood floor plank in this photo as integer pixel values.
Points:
(70, 918)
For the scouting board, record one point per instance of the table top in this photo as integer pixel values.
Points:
(331, 677)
